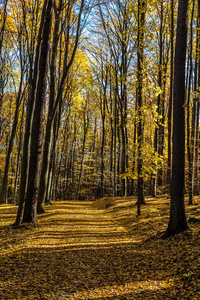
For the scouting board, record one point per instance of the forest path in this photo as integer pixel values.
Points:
(80, 250)
(77, 224)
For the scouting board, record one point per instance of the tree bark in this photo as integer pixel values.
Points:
(56, 100)
(196, 167)
(140, 54)
(177, 221)
(29, 117)
(190, 141)
(169, 158)
(3, 195)
(30, 211)
(48, 137)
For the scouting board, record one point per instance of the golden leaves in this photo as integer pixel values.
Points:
(99, 250)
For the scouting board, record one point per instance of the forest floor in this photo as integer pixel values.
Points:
(99, 250)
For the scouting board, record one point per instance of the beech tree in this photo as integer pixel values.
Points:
(30, 210)
(33, 44)
(177, 221)
(140, 62)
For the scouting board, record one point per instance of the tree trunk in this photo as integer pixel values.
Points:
(190, 140)
(29, 117)
(3, 195)
(160, 132)
(177, 221)
(196, 165)
(169, 158)
(48, 137)
(4, 17)
(56, 102)
(82, 157)
(140, 54)
(103, 144)
(30, 211)
(18, 155)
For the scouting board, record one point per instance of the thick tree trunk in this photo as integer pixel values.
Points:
(48, 137)
(29, 117)
(177, 221)
(30, 211)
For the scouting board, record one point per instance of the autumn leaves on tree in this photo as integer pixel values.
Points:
(89, 93)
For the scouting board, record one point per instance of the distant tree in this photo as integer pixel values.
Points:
(177, 221)
(19, 97)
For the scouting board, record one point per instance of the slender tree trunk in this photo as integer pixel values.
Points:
(196, 165)
(134, 169)
(140, 54)
(3, 194)
(169, 158)
(160, 133)
(115, 150)
(196, 171)
(18, 155)
(118, 158)
(102, 146)
(3, 25)
(3, 21)
(123, 105)
(111, 156)
(189, 133)
(82, 157)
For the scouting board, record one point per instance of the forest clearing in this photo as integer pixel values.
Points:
(99, 250)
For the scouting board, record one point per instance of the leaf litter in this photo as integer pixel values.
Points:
(99, 250)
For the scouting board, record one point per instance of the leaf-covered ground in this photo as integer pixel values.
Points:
(99, 250)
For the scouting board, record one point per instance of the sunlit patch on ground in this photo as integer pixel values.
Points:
(129, 289)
